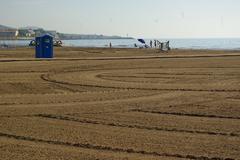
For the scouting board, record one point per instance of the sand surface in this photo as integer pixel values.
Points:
(107, 104)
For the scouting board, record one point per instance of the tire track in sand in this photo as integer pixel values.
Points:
(112, 124)
(46, 77)
(184, 114)
(108, 148)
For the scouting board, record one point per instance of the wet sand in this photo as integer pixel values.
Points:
(120, 104)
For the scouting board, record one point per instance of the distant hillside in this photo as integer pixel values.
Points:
(88, 36)
(30, 32)
(5, 27)
(30, 28)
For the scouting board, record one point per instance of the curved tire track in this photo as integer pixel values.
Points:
(108, 148)
(112, 124)
(46, 77)
(184, 114)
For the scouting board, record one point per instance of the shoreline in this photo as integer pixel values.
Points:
(81, 53)
(183, 44)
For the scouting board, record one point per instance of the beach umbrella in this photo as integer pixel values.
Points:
(142, 41)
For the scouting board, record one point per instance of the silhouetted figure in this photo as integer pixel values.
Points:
(168, 46)
(161, 46)
(110, 45)
(151, 43)
(155, 43)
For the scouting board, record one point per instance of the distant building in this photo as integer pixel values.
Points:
(31, 32)
(54, 34)
(8, 33)
(26, 33)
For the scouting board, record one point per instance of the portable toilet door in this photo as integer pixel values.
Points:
(38, 47)
(47, 47)
(44, 46)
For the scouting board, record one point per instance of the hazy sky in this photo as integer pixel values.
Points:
(137, 18)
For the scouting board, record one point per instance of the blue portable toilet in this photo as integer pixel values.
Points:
(44, 46)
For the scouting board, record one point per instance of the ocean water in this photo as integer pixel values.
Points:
(214, 44)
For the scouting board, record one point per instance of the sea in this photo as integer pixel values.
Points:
(211, 44)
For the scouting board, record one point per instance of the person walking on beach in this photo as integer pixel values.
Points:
(110, 45)
(155, 43)
(151, 43)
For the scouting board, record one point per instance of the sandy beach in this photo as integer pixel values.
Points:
(108, 104)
